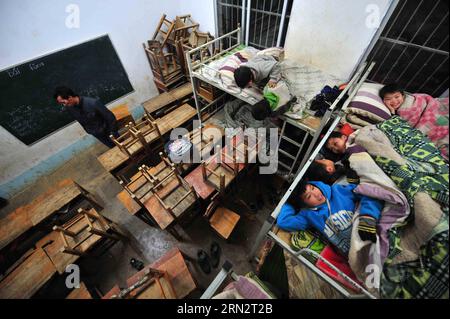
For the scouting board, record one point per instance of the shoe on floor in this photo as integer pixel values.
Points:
(136, 264)
(215, 252)
(203, 261)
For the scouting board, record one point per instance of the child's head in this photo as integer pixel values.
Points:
(336, 143)
(324, 171)
(306, 195)
(392, 96)
(243, 76)
(261, 110)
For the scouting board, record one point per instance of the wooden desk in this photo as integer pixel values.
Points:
(114, 157)
(166, 98)
(130, 204)
(29, 276)
(80, 293)
(174, 264)
(42, 207)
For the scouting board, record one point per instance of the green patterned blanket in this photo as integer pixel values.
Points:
(426, 171)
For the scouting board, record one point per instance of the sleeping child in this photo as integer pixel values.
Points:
(261, 70)
(330, 210)
(426, 113)
(327, 171)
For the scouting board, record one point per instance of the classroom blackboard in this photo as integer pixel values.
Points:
(27, 108)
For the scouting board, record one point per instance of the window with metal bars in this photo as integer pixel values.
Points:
(265, 20)
(413, 48)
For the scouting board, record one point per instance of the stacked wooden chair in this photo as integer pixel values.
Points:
(167, 72)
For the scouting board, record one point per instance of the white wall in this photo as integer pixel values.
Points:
(30, 28)
(201, 11)
(332, 34)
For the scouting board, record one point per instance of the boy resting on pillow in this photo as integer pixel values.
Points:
(330, 210)
(261, 70)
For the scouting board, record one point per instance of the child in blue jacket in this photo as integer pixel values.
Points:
(330, 210)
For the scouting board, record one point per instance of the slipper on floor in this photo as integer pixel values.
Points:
(215, 252)
(203, 261)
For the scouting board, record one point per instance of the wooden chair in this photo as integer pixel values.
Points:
(202, 143)
(220, 169)
(152, 284)
(127, 142)
(195, 39)
(166, 71)
(174, 194)
(183, 25)
(221, 219)
(141, 184)
(163, 30)
(86, 229)
(146, 130)
(123, 115)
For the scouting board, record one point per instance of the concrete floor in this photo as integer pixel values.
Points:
(149, 243)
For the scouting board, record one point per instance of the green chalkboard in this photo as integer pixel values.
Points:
(27, 108)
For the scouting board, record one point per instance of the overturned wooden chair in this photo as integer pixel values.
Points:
(146, 130)
(83, 231)
(174, 194)
(221, 219)
(128, 143)
(220, 169)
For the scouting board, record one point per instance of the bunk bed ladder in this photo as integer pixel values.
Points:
(292, 157)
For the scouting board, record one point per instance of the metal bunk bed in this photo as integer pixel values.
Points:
(311, 133)
(267, 232)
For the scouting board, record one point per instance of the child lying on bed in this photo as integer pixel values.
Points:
(330, 210)
(261, 70)
(428, 114)
(327, 171)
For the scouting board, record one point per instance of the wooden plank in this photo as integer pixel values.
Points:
(164, 99)
(13, 225)
(80, 293)
(114, 157)
(130, 204)
(24, 281)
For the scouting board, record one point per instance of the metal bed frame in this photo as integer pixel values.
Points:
(332, 113)
(303, 147)
(300, 256)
